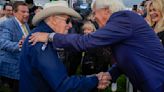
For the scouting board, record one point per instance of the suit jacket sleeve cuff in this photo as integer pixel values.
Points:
(92, 81)
(114, 72)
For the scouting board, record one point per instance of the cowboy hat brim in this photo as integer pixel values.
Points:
(56, 10)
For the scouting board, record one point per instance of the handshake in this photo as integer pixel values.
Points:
(104, 80)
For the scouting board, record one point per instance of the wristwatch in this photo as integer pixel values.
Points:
(50, 37)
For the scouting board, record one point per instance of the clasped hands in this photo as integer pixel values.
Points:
(104, 80)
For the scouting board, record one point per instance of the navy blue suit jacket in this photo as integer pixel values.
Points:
(137, 49)
(42, 71)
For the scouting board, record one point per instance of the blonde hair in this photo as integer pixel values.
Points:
(148, 18)
(159, 5)
(89, 24)
(113, 5)
(90, 17)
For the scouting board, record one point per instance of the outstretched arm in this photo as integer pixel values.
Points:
(53, 70)
(116, 30)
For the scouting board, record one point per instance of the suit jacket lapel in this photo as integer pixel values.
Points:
(18, 29)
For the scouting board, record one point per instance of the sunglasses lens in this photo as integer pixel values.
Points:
(68, 20)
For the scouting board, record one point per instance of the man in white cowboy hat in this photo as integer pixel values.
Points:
(40, 67)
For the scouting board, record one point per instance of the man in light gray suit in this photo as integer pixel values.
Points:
(10, 43)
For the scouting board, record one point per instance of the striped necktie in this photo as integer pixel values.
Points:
(25, 29)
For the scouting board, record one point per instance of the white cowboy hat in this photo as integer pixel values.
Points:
(55, 7)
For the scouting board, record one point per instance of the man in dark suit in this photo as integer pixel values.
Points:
(136, 48)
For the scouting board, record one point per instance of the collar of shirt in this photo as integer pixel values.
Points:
(42, 25)
(20, 24)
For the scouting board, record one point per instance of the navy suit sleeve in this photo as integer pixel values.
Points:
(114, 72)
(54, 72)
(118, 28)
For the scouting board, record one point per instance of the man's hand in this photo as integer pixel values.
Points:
(104, 80)
(38, 37)
(20, 43)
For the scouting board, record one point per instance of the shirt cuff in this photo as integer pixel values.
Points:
(50, 37)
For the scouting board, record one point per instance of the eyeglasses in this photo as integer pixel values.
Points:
(68, 20)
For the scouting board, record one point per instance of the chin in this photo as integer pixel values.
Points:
(155, 20)
(25, 21)
(100, 26)
(66, 32)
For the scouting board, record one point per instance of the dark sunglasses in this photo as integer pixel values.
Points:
(69, 20)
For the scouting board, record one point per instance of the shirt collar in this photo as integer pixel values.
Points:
(45, 27)
(20, 24)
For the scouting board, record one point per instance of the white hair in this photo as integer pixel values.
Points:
(113, 5)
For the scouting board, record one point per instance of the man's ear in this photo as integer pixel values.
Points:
(53, 20)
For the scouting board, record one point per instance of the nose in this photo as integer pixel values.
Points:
(27, 13)
(70, 25)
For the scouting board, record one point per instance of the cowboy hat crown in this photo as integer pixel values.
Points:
(54, 8)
